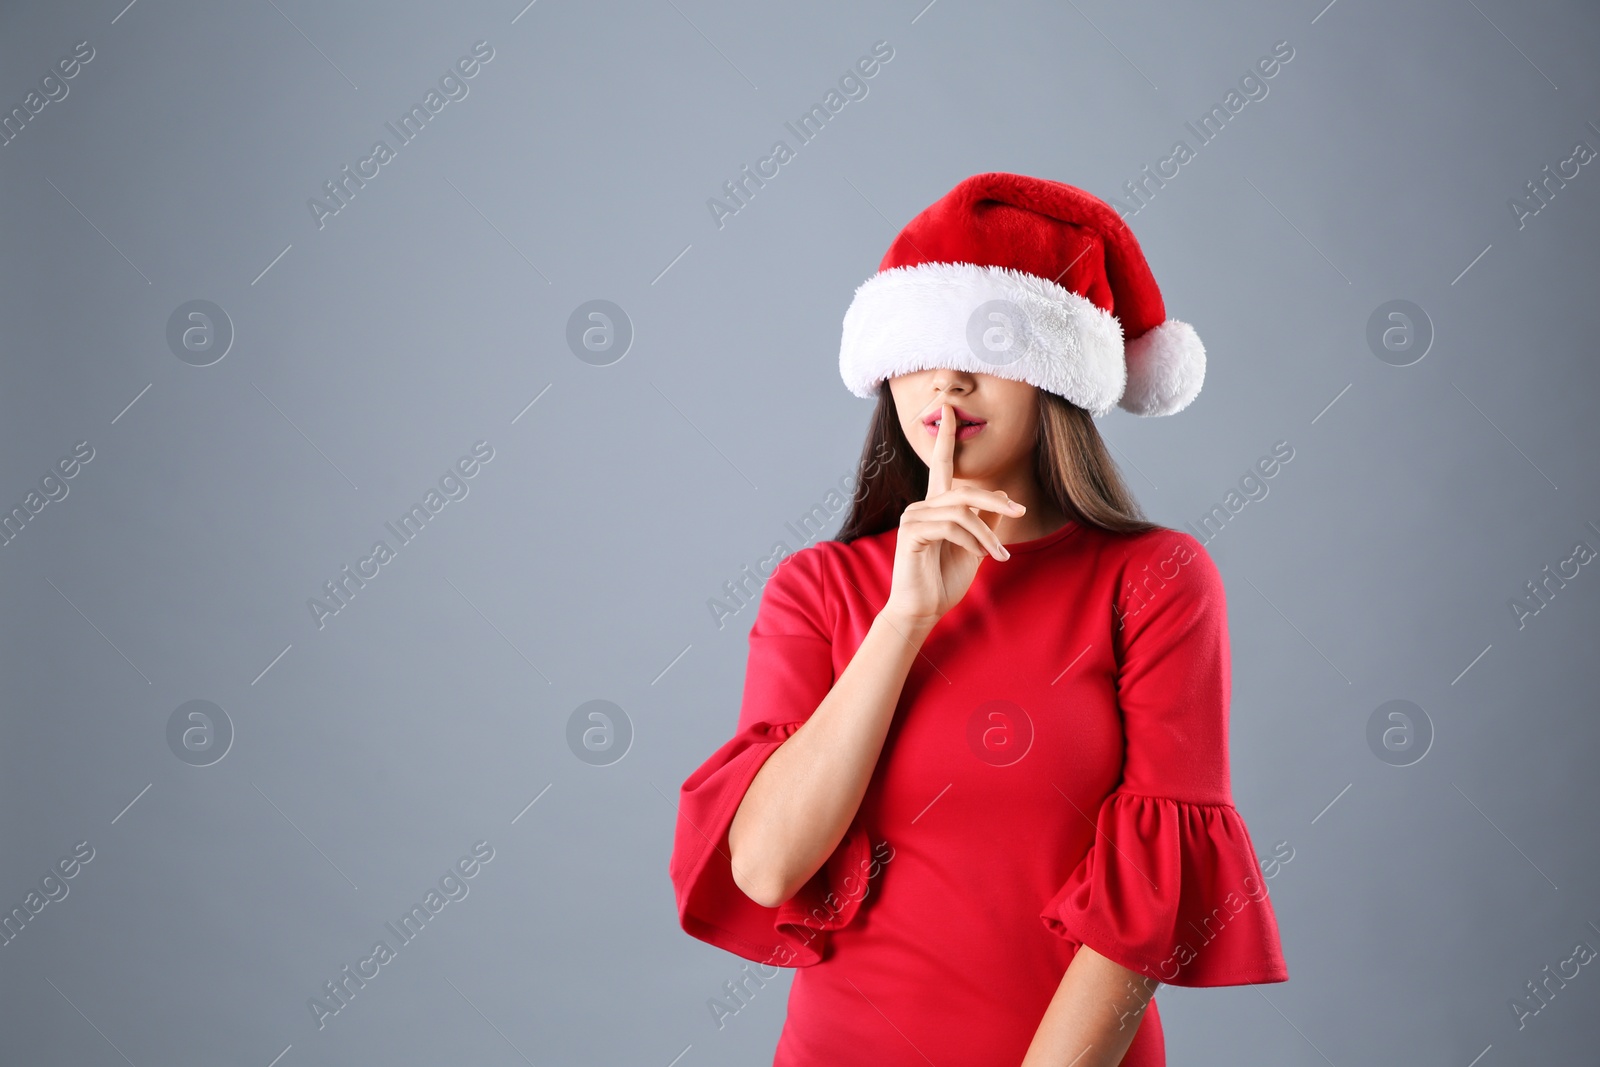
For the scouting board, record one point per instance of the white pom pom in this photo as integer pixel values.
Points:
(1166, 366)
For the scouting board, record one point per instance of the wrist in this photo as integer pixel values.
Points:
(914, 628)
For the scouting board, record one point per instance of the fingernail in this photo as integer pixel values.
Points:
(1004, 552)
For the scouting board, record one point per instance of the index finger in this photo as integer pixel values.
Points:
(941, 470)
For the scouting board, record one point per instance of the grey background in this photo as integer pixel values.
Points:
(370, 754)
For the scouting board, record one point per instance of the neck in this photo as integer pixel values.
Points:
(1042, 518)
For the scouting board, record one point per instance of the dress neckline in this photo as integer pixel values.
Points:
(1065, 530)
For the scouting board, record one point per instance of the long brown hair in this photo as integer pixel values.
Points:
(1071, 463)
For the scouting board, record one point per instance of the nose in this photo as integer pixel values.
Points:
(946, 389)
(949, 384)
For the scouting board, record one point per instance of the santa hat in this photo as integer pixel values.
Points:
(1027, 279)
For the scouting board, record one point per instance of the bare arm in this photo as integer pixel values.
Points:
(1094, 1015)
(800, 803)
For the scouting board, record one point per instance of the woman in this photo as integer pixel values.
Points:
(979, 792)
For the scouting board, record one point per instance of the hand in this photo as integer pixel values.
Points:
(943, 538)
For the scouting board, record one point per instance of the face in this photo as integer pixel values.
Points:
(1006, 413)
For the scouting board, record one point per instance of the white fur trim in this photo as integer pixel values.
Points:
(989, 320)
(1166, 367)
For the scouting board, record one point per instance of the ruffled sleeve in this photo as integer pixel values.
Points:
(788, 672)
(1171, 885)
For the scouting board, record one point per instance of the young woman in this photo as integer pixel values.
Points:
(979, 792)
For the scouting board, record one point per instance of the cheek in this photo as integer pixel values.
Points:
(1012, 443)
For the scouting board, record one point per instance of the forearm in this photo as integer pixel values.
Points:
(1094, 1015)
(800, 803)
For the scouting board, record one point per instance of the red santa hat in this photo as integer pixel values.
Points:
(1027, 279)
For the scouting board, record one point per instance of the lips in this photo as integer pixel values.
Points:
(965, 418)
(969, 425)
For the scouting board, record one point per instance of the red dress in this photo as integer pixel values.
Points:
(1056, 774)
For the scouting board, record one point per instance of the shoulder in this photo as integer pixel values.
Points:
(809, 578)
(1173, 561)
(1158, 546)
(794, 591)
(822, 560)
(793, 573)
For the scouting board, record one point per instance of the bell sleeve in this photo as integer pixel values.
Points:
(788, 672)
(1171, 886)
